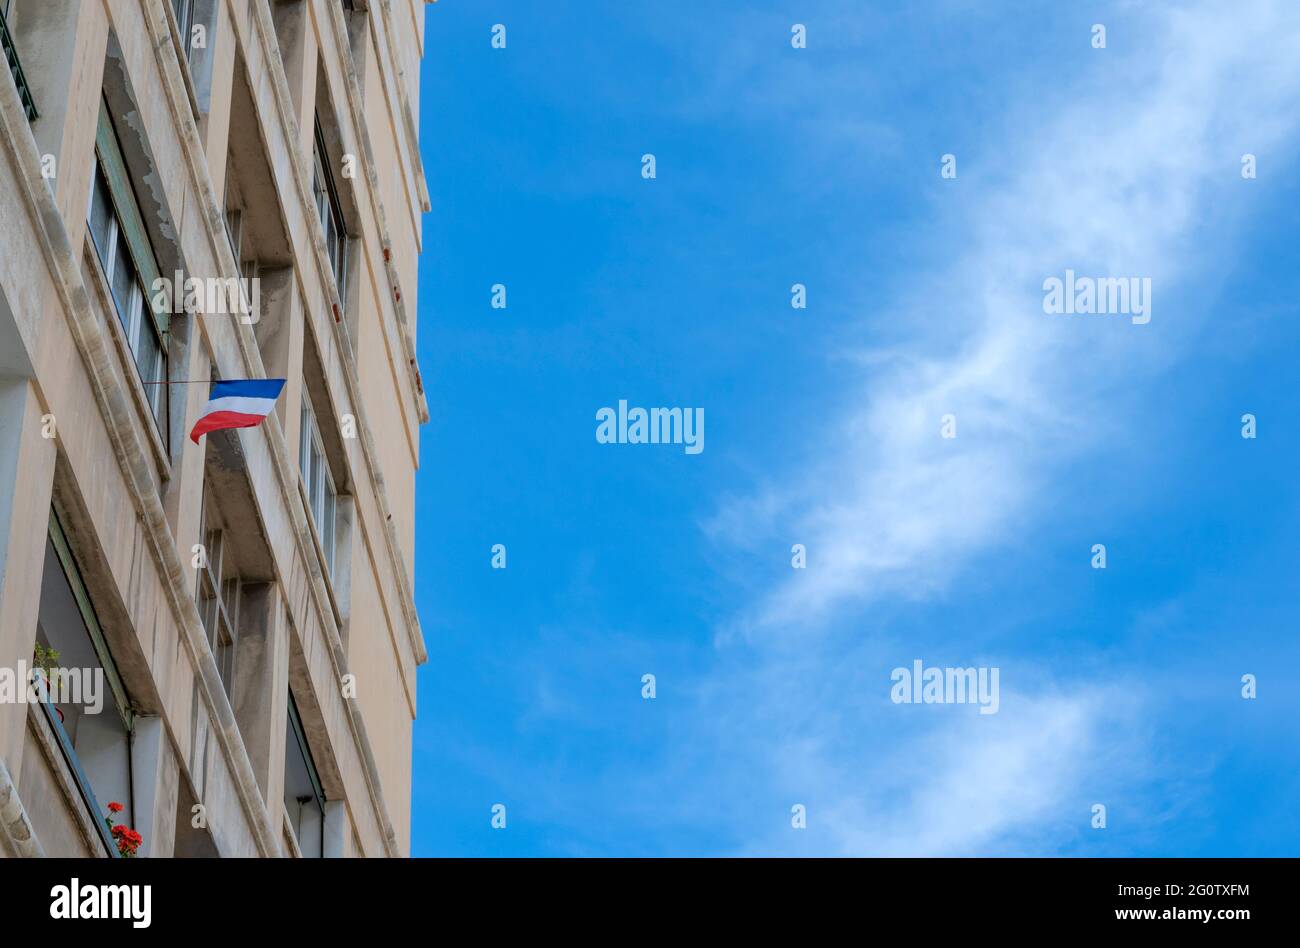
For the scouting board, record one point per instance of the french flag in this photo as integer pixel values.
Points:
(241, 403)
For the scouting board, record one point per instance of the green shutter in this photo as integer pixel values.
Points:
(128, 212)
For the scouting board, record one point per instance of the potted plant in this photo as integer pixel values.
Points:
(43, 659)
(127, 839)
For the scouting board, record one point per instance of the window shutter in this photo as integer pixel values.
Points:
(128, 213)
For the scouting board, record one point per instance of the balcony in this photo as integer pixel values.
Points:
(11, 55)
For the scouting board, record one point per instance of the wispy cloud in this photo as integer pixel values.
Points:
(1122, 175)
(1021, 782)
(1114, 179)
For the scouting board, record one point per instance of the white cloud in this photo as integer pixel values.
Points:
(1113, 180)
(1009, 784)
(1122, 176)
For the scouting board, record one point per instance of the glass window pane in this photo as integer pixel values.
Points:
(183, 16)
(328, 531)
(223, 650)
(99, 738)
(210, 617)
(327, 224)
(230, 598)
(318, 184)
(331, 214)
(304, 444)
(212, 543)
(146, 355)
(101, 218)
(303, 800)
(153, 368)
(122, 281)
(234, 230)
(225, 657)
(318, 484)
(136, 310)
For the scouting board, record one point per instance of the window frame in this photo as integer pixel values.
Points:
(217, 597)
(14, 62)
(234, 221)
(184, 26)
(117, 690)
(321, 491)
(72, 572)
(111, 184)
(329, 209)
(313, 775)
(196, 61)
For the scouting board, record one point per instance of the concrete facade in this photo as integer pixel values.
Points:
(248, 600)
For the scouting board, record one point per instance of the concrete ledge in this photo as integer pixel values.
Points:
(17, 837)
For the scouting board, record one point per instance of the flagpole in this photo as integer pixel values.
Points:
(207, 381)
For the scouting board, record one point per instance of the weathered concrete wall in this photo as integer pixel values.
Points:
(132, 499)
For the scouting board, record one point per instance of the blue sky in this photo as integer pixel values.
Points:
(821, 166)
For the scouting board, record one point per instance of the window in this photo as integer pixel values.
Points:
(195, 21)
(304, 800)
(354, 15)
(7, 14)
(242, 245)
(234, 229)
(330, 209)
(118, 234)
(234, 214)
(89, 711)
(184, 10)
(250, 294)
(218, 594)
(322, 498)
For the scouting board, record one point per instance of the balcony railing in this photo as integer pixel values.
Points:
(11, 54)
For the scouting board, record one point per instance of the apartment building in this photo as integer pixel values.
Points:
(217, 638)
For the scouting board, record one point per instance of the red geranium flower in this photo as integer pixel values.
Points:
(128, 840)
